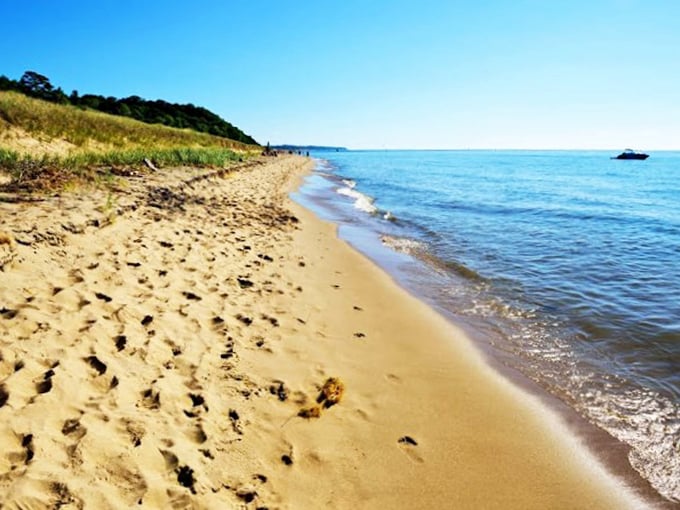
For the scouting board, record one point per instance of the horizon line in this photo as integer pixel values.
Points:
(477, 149)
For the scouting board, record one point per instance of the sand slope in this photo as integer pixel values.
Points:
(156, 346)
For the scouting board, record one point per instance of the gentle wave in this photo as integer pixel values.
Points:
(362, 201)
(648, 422)
(403, 244)
(421, 251)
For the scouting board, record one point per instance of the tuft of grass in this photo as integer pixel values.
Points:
(109, 209)
(8, 158)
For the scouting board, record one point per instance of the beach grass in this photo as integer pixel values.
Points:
(30, 173)
(62, 143)
(87, 128)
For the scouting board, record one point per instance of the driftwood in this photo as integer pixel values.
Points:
(150, 164)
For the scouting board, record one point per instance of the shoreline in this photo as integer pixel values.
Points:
(183, 388)
(609, 450)
(402, 265)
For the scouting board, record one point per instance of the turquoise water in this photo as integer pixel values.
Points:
(568, 263)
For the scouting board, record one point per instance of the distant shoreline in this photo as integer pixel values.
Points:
(613, 151)
(320, 148)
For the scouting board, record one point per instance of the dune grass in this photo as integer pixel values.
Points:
(46, 172)
(94, 140)
(83, 127)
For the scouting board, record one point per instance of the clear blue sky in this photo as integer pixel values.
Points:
(375, 74)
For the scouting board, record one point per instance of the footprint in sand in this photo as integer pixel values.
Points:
(74, 429)
(191, 296)
(408, 445)
(244, 319)
(4, 395)
(103, 297)
(235, 421)
(272, 320)
(244, 283)
(151, 399)
(206, 453)
(198, 435)
(198, 400)
(121, 341)
(8, 314)
(76, 276)
(185, 477)
(134, 431)
(246, 494)
(27, 444)
(279, 389)
(121, 474)
(62, 496)
(45, 385)
(96, 364)
(229, 353)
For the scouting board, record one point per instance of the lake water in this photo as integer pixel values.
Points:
(566, 262)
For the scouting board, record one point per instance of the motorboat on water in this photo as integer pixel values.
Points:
(631, 154)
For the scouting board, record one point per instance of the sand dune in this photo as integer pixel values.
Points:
(157, 346)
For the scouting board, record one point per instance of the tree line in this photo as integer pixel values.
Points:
(153, 112)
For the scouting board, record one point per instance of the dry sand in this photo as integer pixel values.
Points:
(157, 345)
(17, 139)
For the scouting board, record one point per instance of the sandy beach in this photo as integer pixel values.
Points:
(159, 344)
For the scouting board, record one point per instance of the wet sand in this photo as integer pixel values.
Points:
(157, 346)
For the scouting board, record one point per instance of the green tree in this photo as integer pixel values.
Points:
(7, 84)
(124, 110)
(36, 85)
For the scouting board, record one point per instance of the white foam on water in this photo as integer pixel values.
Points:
(323, 165)
(650, 424)
(361, 201)
(402, 244)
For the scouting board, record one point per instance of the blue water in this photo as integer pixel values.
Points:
(568, 262)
